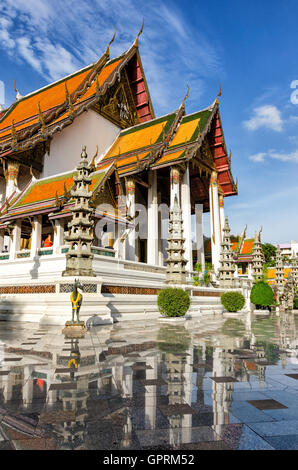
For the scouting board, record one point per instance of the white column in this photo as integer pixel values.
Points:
(16, 240)
(152, 224)
(175, 185)
(221, 214)
(131, 212)
(199, 235)
(36, 235)
(1, 240)
(12, 178)
(150, 393)
(214, 221)
(119, 245)
(28, 386)
(186, 213)
(58, 236)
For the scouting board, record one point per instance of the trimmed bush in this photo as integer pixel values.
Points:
(173, 302)
(262, 295)
(295, 303)
(232, 301)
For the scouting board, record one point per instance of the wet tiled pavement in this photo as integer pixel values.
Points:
(213, 384)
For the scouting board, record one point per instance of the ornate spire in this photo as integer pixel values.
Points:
(176, 273)
(136, 43)
(79, 257)
(227, 263)
(257, 257)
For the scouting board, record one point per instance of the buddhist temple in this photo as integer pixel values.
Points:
(139, 164)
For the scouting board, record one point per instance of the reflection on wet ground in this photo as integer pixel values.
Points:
(210, 384)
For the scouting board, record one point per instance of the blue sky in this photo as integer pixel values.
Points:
(248, 47)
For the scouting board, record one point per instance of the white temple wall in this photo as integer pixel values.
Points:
(88, 129)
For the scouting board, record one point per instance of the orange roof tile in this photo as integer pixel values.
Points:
(247, 247)
(185, 132)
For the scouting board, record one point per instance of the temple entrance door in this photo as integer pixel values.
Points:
(142, 246)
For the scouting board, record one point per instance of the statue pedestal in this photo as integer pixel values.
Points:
(74, 330)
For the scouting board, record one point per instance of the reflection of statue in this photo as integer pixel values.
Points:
(287, 297)
(76, 299)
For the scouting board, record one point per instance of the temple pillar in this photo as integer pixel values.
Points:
(131, 213)
(221, 213)
(152, 214)
(16, 240)
(199, 235)
(58, 236)
(12, 178)
(36, 235)
(160, 232)
(186, 215)
(175, 177)
(214, 221)
(1, 240)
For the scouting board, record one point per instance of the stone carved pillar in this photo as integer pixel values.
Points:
(131, 213)
(36, 235)
(12, 178)
(214, 221)
(16, 240)
(152, 223)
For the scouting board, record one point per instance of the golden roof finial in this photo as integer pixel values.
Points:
(136, 43)
(219, 94)
(260, 233)
(112, 40)
(185, 97)
(41, 118)
(92, 163)
(19, 96)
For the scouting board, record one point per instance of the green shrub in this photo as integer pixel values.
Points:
(207, 279)
(296, 303)
(232, 301)
(196, 281)
(173, 302)
(261, 295)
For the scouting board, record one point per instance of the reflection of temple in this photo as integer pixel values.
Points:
(74, 392)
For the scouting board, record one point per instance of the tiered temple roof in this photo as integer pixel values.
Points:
(117, 90)
(49, 194)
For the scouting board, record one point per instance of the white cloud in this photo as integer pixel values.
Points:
(265, 116)
(285, 157)
(62, 36)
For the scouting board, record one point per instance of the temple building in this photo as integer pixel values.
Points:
(140, 164)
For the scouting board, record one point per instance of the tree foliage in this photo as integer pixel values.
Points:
(269, 252)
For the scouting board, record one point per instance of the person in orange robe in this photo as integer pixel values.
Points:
(48, 241)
